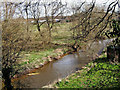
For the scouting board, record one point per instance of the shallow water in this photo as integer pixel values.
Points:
(61, 68)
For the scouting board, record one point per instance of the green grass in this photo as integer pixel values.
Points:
(60, 32)
(97, 74)
(35, 56)
(30, 60)
(60, 35)
(38, 55)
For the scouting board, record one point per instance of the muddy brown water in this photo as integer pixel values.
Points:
(60, 68)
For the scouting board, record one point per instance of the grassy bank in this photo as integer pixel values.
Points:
(36, 59)
(97, 74)
(37, 53)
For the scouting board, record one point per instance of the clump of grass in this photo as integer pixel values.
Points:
(35, 59)
(35, 56)
(97, 74)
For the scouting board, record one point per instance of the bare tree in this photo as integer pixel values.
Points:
(44, 13)
(36, 12)
(25, 9)
(52, 11)
(13, 41)
(92, 24)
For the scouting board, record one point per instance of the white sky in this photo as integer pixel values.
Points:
(97, 1)
(69, 1)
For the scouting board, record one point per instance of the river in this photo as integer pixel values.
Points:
(61, 68)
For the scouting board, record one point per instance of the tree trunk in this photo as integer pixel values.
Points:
(7, 79)
(38, 27)
(113, 53)
(49, 35)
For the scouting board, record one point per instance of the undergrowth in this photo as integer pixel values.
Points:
(97, 74)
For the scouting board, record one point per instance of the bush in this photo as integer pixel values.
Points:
(115, 33)
(13, 41)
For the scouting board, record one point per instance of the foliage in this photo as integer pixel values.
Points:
(115, 32)
(96, 75)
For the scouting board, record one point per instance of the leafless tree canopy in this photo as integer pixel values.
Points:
(91, 21)
(13, 41)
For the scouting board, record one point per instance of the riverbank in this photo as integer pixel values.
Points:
(35, 60)
(56, 70)
(37, 54)
(100, 73)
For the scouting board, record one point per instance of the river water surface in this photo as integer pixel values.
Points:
(61, 68)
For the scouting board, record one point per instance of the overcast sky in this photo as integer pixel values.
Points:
(69, 1)
(98, 1)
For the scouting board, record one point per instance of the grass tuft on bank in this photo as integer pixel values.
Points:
(36, 59)
(97, 74)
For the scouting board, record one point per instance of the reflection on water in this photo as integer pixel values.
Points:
(61, 68)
